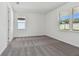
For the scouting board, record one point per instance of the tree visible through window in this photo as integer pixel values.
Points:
(69, 19)
(76, 18)
(64, 19)
(64, 23)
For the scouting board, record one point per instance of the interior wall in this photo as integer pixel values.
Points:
(34, 24)
(52, 20)
(37, 24)
(3, 26)
(11, 20)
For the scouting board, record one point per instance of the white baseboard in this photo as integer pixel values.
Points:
(2, 50)
(57, 38)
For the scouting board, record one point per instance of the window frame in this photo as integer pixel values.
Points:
(24, 21)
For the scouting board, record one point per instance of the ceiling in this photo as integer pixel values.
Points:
(39, 7)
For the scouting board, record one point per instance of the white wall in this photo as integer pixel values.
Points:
(52, 19)
(35, 23)
(11, 20)
(3, 26)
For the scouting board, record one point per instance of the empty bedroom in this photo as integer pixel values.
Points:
(39, 29)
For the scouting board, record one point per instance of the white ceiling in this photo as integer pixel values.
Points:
(40, 7)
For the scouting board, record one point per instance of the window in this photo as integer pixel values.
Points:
(69, 19)
(21, 23)
(75, 20)
(64, 23)
(64, 19)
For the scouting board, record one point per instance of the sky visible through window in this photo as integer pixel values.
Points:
(75, 15)
(64, 21)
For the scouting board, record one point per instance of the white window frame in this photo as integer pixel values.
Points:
(21, 26)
